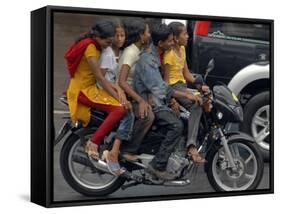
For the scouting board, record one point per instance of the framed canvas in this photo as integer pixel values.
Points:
(130, 106)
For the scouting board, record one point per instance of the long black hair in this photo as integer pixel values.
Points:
(176, 27)
(103, 29)
(160, 32)
(134, 27)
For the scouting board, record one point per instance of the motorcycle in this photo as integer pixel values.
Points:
(233, 161)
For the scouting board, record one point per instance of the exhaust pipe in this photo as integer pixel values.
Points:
(101, 165)
(177, 183)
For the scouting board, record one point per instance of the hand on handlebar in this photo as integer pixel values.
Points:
(175, 106)
(205, 89)
(196, 98)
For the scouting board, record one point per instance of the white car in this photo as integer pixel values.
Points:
(252, 86)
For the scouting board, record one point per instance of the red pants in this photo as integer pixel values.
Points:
(115, 114)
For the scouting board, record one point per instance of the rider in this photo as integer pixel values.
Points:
(177, 74)
(82, 94)
(150, 86)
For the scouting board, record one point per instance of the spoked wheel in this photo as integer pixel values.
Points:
(245, 176)
(81, 174)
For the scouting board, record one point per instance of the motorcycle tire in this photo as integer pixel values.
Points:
(68, 176)
(211, 166)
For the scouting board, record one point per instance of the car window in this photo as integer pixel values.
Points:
(240, 30)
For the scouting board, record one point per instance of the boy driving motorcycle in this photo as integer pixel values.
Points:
(149, 84)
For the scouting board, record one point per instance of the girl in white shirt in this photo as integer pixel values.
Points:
(109, 63)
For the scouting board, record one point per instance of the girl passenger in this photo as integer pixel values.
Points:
(82, 94)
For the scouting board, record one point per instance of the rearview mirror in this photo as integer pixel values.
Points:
(210, 67)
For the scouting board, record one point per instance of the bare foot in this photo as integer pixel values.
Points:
(195, 156)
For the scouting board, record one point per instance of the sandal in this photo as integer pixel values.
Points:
(113, 167)
(195, 156)
(92, 150)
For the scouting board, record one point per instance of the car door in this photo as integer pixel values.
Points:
(232, 45)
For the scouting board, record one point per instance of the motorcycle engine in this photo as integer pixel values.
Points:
(176, 164)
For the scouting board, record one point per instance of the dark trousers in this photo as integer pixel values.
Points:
(174, 126)
(141, 127)
(195, 115)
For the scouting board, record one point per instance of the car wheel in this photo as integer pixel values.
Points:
(257, 121)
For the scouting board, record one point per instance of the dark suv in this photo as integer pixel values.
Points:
(241, 53)
(232, 45)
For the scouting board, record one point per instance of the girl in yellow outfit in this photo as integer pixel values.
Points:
(177, 75)
(83, 93)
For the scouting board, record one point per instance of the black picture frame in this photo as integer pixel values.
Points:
(42, 129)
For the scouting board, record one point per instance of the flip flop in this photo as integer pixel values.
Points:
(113, 167)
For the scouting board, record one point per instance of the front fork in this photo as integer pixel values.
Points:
(225, 145)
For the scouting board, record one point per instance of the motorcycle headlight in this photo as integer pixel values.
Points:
(219, 115)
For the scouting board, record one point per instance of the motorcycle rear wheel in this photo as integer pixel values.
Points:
(84, 178)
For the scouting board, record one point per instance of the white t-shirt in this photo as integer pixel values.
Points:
(108, 62)
(129, 57)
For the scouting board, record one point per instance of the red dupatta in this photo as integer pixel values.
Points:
(75, 53)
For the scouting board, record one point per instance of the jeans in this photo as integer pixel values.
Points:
(125, 129)
(195, 114)
(174, 126)
(140, 129)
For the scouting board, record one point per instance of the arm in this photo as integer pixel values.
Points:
(190, 78)
(103, 71)
(100, 78)
(189, 96)
(143, 105)
(175, 106)
(187, 75)
(122, 96)
(153, 81)
(124, 72)
(166, 72)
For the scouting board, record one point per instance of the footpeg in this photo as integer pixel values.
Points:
(130, 176)
(125, 186)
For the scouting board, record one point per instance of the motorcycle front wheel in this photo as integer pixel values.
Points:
(80, 174)
(248, 172)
